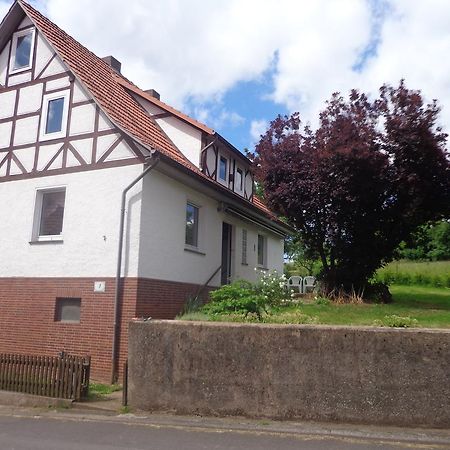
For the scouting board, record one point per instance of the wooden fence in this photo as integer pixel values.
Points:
(63, 376)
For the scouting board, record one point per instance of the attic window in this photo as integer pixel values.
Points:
(223, 164)
(54, 115)
(238, 183)
(22, 50)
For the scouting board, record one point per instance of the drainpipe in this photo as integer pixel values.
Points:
(116, 329)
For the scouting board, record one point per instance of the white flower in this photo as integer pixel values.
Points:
(292, 295)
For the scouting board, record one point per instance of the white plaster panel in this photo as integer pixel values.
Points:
(82, 120)
(148, 106)
(7, 103)
(19, 78)
(26, 130)
(84, 148)
(30, 99)
(90, 229)
(187, 138)
(104, 143)
(4, 63)
(122, 151)
(57, 163)
(26, 22)
(78, 93)
(104, 123)
(3, 164)
(60, 83)
(43, 54)
(46, 153)
(5, 134)
(210, 160)
(26, 157)
(71, 160)
(248, 184)
(14, 169)
(55, 67)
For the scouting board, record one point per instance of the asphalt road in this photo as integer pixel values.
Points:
(42, 433)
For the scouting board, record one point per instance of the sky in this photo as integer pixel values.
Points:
(236, 64)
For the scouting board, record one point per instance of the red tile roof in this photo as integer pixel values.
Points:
(110, 91)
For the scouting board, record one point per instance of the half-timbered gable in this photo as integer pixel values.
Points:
(49, 122)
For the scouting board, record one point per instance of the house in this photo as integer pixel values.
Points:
(74, 134)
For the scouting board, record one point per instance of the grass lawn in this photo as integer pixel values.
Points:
(99, 391)
(431, 273)
(418, 306)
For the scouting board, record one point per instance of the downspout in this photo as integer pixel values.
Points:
(116, 329)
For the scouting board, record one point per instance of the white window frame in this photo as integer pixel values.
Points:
(12, 60)
(236, 188)
(39, 197)
(43, 136)
(264, 263)
(186, 245)
(221, 180)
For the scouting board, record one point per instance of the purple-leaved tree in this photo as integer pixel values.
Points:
(371, 173)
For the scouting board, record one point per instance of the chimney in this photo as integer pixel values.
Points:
(153, 93)
(113, 62)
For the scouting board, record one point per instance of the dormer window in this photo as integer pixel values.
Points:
(22, 50)
(223, 166)
(239, 180)
(54, 115)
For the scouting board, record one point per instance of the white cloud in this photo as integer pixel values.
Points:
(257, 128)
(195, 50)
(4, 7)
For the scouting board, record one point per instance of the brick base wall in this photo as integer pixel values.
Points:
(27, 315)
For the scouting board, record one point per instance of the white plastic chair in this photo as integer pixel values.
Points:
(308, 284)
(296, 282)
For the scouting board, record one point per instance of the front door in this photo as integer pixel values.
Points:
(226, 253)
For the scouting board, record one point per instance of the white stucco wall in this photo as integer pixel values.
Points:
(90, 229)
(162, 246)
(186, 137)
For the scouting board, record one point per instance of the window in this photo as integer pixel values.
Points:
(22, 50)
(54, 115)
(191, 225)
(68, 310)
(261, 250)
(239, 181)
(223, 164)
(49, 214)
(244, 247)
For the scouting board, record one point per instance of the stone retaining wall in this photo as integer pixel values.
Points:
(364, 374)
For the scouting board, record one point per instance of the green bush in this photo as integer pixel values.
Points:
(396, 321)
(243, 297)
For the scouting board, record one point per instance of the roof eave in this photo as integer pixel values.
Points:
(10, 22)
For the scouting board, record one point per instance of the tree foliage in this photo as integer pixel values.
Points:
(371, 173)
(429, 242)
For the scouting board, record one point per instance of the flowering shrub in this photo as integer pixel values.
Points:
(243, 297)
